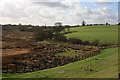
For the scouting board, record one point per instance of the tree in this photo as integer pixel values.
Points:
(107, 23)
(58, 27)
(19, 24)
(83, 23)
(58, 24)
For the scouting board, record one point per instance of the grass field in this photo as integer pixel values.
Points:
(104, 65)
(105, 34)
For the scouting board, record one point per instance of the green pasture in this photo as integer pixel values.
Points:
(105, 34)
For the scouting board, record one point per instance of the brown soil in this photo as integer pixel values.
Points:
(24, 55)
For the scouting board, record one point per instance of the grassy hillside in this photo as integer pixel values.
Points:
(100, 66)
(105, 34)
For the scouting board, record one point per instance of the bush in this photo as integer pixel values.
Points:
(59, 37)
(43, 34)
(86, 42)
(95, 43)
(75, 41)
(40, 35)
(49, 33)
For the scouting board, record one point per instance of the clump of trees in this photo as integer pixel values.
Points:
(55, 33)
(20, 27)
(44, 34)
(51, 33)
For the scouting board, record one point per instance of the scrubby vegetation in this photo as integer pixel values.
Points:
(104, 65)
(28, 48)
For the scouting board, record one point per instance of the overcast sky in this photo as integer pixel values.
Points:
(71, 12)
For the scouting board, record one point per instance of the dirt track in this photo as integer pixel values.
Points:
(17, 51)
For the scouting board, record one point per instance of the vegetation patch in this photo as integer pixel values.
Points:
(106, 65)
(47, 48)
(70, 53)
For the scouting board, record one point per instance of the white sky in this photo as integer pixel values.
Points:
(38, 12)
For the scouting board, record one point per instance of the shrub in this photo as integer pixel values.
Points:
(39, 35)
(75, 41)
(86, 42)
(95, 43)
(43, 34)
(59, 37)
(49, 33)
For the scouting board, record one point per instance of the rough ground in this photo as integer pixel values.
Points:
(24, 54)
